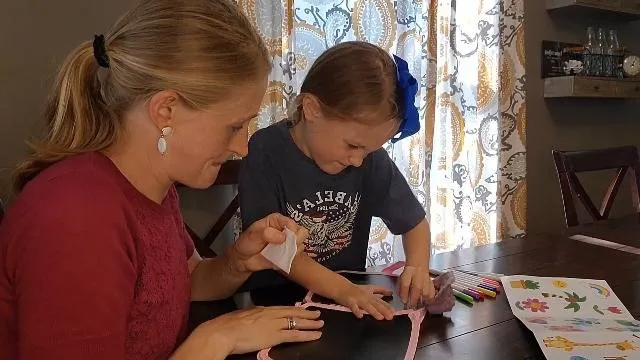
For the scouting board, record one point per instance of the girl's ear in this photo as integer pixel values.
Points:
(311, 108)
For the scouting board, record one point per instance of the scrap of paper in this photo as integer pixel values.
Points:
(282, 255)
(605, 243)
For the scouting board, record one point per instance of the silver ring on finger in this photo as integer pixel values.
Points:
(291, 323)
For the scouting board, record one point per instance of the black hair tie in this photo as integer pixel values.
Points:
(100, 51)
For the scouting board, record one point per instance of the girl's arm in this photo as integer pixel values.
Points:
(393, 200)
(324, 282)
(416, 245)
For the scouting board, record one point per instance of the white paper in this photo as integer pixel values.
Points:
(605, 243)
(282, 255)
(574, 318)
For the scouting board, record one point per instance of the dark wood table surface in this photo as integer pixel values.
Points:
(489, 330)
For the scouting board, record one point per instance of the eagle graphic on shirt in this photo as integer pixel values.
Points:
(329, 217)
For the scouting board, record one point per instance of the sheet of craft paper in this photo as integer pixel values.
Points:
(563, 297)
(589, 345)
(574, 319)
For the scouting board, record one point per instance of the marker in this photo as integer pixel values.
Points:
(476, 288)
(492, 279)
(480, 280)
(463, 297)
(475, 297)
(476, 284)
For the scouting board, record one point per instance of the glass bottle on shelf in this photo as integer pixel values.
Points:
(600, 50)
(614, 51)
(589, 47)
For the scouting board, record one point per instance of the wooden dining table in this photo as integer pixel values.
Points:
(489, 330)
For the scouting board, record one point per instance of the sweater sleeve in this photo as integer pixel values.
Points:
(72, 264)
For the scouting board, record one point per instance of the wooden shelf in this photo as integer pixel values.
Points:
(616, 9)
(589, 87)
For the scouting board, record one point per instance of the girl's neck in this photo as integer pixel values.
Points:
(297, 134)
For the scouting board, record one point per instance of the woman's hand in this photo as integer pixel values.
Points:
(415, 286)
(365, 299)
(251, 330)
(245, 253)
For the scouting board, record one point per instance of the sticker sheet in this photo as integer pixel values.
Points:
(574, 319)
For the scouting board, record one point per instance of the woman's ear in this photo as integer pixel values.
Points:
(162, 108)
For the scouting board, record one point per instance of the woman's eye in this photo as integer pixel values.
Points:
(353, 147)
(236, 128)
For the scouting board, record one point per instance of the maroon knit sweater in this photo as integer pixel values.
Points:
(92, 269)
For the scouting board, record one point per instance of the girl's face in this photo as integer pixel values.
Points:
(335, 144)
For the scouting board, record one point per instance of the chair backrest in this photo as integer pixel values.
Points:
(569, 163)
(229, 175)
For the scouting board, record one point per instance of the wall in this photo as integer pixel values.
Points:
(570, 123)
(35, 36)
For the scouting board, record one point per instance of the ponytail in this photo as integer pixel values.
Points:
(200, 49)
(77, 119)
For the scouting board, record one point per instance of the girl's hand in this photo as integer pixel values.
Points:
(245, 253)
(251, 330)
(415, 286)
(365, 299)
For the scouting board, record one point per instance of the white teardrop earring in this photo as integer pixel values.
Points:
(162, 141)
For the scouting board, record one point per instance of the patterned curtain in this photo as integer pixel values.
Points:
(467, 164)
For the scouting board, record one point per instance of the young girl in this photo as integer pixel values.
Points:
(325, 168)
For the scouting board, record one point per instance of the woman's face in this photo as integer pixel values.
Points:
(202, 140)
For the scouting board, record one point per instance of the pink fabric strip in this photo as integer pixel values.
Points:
(393, 267)
(416, 317)
(307, 297)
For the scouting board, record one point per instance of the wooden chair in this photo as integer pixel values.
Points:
(229, 175)
(201, 311)
(569, 163)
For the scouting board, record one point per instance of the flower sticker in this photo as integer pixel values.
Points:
(535, 305)
(560, 284)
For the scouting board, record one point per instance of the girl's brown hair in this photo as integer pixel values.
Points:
(354, 80)
(198, 48)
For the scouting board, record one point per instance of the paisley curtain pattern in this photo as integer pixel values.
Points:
(467, 163)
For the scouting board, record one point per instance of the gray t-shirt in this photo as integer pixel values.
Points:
(277, 176)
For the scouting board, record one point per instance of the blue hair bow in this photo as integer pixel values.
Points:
(406, 88)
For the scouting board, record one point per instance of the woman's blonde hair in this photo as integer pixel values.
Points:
(354, 80)
(198, 48)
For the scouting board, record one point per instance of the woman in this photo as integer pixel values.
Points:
(96, 263)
